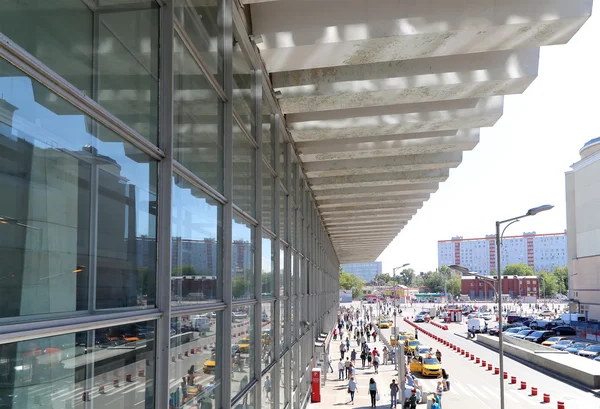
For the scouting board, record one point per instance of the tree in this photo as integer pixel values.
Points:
(548, 285)
(454, 285)
(406, 277)
(183, 270)
(351, 282)
(561, 274)
(518, 270)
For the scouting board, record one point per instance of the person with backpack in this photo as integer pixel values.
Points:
(363, 358)
(394, 393)
(342, 350)
(369, 360)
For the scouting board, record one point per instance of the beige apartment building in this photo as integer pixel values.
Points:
(583, 231)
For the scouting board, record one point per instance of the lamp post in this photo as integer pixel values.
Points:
(530, 212)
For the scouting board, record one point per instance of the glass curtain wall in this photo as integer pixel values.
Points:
(150, 194)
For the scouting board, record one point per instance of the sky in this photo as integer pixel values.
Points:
(519, 163)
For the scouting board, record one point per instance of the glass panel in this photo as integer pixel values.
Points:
(242, 349)
(60, 174)
(292, 185)
(292, 236)
(292, 320)
(195, 350)
(281, 326)
(121, 73)
(201, 24)
(247, 402)
(266, 334)
(267, 390)
(242, 87)
(197, 112)
(282, 215)
(284, 392)
(268, 144)
(268, 199)
(242, 259)
(268, 266)
(282, 251)
(244, 171)
(282, 157)
(293, 274)
(65, 371)
(196, 245)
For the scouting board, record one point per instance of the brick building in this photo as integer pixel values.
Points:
(513, 286)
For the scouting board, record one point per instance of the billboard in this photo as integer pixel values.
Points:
(345, 295)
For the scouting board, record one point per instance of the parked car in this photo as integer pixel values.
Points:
(556, 323)
(487, 316)
(539, 336)
(564, 330)
(546, 313)
(576, 347)
(591, 351)
(553, 340)
(421, 317)
(539, 324)
(523, 334)
(597, 359)
(562, 345)
(515, 318)
(512, 331)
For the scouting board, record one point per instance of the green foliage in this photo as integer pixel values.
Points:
(406, 277)
(561, 275)
(351, 282)
(548, 284)
(183, 270)
(518, 270)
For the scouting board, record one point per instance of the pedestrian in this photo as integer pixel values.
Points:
(374, 336)
(363, 357)
(376, 363)
(347, 344)
(352, 388)
(368, 336)
(267, 388)
(394, 392)
(329, 363)
(445, 381)
(335, 332)
(438, 355)
(369, 359)
(436, 404)
(342, 350)
(393, 356)
(373, 391)
(385, 355)
(341, 370)
(412, 401)
(347, 367)
(438, 392)
(353, 356)
(416, 333)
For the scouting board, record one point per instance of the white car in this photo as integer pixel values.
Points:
(486, 316)
(546, 313)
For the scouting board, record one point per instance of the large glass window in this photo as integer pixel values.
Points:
(194, 366)
(266, 334)
(283, 392)
(242, 351)
(293, 274)
(197, 117)
(200, 22)
(281, 325)
(282, 215)
(113, 367)
(118, 68)
(268, 265)
(243, 105)
(268, 198)
(242, 259)
(244, 171)
(65, 179)
(247, 402)
(267, 400)
(196, 245)
(282, 251)
(268, 144)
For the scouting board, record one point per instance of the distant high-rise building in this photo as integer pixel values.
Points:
(366, 271)
(539, 251)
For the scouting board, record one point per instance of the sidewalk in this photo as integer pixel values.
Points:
(334, 392)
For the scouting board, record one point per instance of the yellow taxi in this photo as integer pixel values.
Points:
(553, 340)
(244, 344)
(384, 323)
(426, 366)
(411, 344)
(210, 364)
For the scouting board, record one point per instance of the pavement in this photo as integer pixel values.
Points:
(471, 386)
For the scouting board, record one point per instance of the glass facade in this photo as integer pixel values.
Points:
(155, 235)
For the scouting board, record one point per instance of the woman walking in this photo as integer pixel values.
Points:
(373, 391)
(352, 388)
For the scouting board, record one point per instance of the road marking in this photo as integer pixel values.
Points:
(511, 397)
(465, 390)
(491, 392)
(478, 390)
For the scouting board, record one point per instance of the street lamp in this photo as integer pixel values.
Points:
(485, 279)
(530, 212)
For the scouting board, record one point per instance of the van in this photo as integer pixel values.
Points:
(476, 324)
(201, 324)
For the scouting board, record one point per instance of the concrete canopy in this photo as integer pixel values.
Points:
(381, 97)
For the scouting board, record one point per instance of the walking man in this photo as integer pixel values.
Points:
(341, 370)
(394, 392)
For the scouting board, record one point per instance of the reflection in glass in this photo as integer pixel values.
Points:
(267, 399)
(282, 215)
(60, 175)
(293, 274)
(282, 374)
(194, 369)
(281, 326)
(268, 266)
(268, 144)
(268, 198)
(201, 24)
(121, 62)
(242, 88)
(242, 350)
(242, 259)
(246, 402)
(67, 370)
(196, 245)
(266, 334)
(197, 139)
(282, 251)
(244, 171)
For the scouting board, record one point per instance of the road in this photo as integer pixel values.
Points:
(474, 386)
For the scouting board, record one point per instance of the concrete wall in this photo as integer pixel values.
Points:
(561, 363)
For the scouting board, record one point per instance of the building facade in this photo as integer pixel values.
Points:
(513, 286)
(583, 227)
(160, 246)
(366, 271)
(539, 251)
